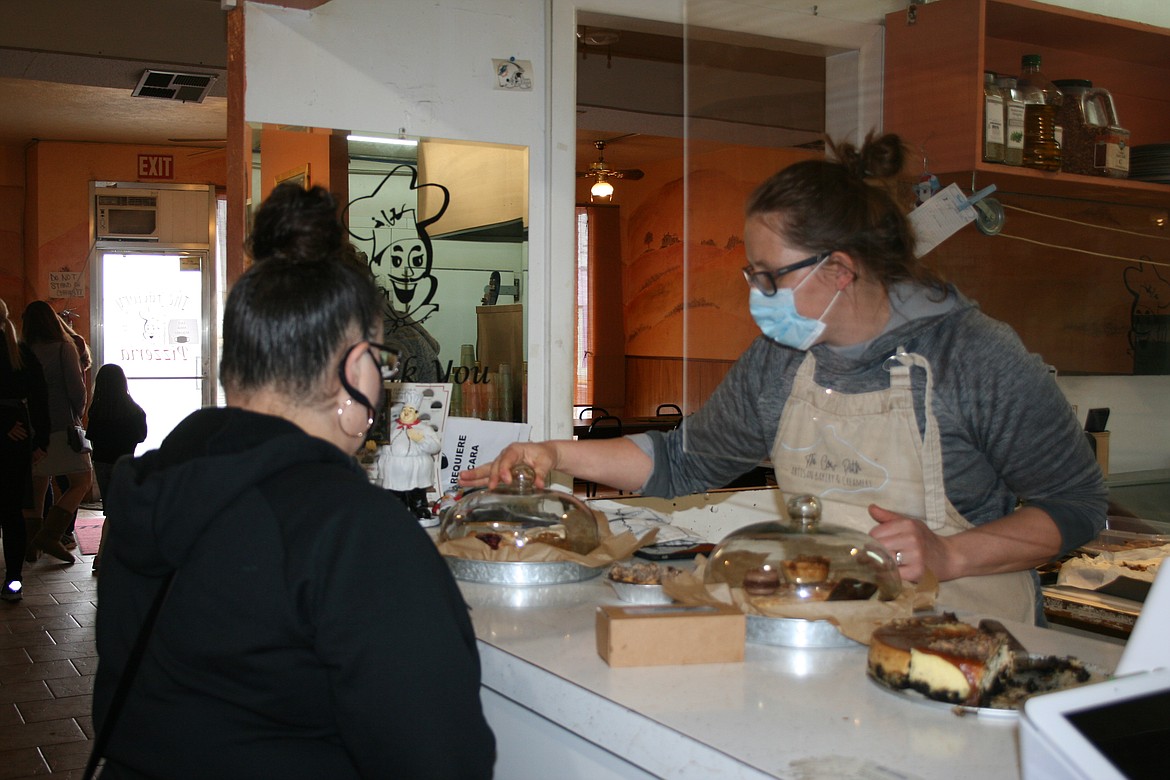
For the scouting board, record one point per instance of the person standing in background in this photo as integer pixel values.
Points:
(24, 437)
(116, 424)
(44, 332)
(60, 484)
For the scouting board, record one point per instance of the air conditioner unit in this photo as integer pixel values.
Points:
(164, 215)
(126, 215)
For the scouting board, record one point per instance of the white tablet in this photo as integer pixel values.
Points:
(1114, 729)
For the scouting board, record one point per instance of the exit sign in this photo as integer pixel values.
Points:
(156, 166)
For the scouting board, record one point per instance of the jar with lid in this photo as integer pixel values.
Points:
(1094, 142)
(1041, 102)
(993, 129)
(1013, 120)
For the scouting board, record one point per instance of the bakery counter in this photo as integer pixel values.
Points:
(558, 709)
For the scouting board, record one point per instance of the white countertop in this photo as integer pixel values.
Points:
(811, 714)
(784, 712)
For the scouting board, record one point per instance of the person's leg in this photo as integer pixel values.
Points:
(14, 464)
(33, 514)
(79, 483)
(61, 487)
(61, 514)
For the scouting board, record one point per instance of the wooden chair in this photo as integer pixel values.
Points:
(606, 426)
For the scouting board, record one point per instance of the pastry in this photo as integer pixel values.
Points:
(761, 581)
(806, 569)
(951, 661)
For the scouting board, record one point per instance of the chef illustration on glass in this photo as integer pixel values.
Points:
(407, 465)
(400, 250)
(393, 238)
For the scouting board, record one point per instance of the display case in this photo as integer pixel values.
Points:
(935, 58)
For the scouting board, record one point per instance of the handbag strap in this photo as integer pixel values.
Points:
(128, 674)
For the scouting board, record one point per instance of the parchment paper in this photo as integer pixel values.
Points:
(612, 548)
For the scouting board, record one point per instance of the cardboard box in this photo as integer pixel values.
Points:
(653, 635)
(1102, 448)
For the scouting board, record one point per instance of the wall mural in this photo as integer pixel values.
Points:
(400, 254)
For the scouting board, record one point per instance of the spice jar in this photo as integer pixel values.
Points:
(1094, 143)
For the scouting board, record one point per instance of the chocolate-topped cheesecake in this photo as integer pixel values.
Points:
(941, 657)
(951, 661)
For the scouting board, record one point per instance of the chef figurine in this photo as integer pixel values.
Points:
(406, 465)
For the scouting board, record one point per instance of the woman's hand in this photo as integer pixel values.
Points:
(916, 548)
(541, 456)
(18, 432)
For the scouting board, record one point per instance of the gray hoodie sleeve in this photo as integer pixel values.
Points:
(734, 429)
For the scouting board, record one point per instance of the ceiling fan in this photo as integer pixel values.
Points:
(602, 173)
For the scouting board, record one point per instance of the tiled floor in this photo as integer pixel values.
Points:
(47, 662)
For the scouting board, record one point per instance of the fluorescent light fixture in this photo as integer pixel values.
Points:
(373, 139)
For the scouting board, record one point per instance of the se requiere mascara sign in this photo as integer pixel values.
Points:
(66, 284)
(156, 167)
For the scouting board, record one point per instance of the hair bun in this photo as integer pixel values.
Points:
(295, 224)
(879, 157)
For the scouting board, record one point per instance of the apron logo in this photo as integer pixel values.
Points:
(838, 466)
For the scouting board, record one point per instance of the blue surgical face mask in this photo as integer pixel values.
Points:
(780, 321)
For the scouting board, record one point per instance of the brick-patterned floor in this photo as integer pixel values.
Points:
(47, 663)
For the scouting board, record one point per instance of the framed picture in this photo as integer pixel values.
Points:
(298, 175)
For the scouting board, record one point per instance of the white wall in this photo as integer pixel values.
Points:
(425, 68)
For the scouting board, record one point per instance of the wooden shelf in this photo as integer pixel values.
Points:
(934, 86)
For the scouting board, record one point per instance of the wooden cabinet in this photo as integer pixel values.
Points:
(935, 59)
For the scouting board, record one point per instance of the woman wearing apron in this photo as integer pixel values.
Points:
(882, 390)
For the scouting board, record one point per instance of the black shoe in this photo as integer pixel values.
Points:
(12, 591)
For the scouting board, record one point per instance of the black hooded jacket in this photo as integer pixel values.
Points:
(311, 631)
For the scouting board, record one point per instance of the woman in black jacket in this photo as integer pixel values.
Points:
(24, 436)
(288, 645)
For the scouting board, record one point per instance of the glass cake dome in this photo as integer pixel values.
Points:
(519, 514)
(803, 560)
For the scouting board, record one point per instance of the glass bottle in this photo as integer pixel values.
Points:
(1013, 120)
(993, 129)
(1041, 101)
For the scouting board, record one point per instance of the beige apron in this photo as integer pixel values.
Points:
(853, 450)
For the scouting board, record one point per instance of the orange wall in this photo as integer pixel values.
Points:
(12, 227)
(712, 302)
(57, 231)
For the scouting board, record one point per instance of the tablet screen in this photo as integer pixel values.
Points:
(1131, 733)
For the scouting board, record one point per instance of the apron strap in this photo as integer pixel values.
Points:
(899, 365)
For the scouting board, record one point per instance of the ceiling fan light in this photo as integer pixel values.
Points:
(601, 188)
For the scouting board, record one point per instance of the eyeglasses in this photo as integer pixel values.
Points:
(765, 281)
(385, 358)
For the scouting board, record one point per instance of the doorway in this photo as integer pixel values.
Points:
(153, 317)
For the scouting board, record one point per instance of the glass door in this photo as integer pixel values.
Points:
(153, 321)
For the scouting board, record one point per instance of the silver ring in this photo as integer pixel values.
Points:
(898, 557)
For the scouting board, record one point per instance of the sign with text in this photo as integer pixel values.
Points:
(156, 166)
(469, 442)
(66, 284)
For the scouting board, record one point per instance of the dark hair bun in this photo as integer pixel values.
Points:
(295, 224)
(878, 158)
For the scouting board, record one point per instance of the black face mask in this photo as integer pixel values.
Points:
(387, 364)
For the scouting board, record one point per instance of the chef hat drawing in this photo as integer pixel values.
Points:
(412, 398)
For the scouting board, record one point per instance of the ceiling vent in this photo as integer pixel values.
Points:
(167, 85)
